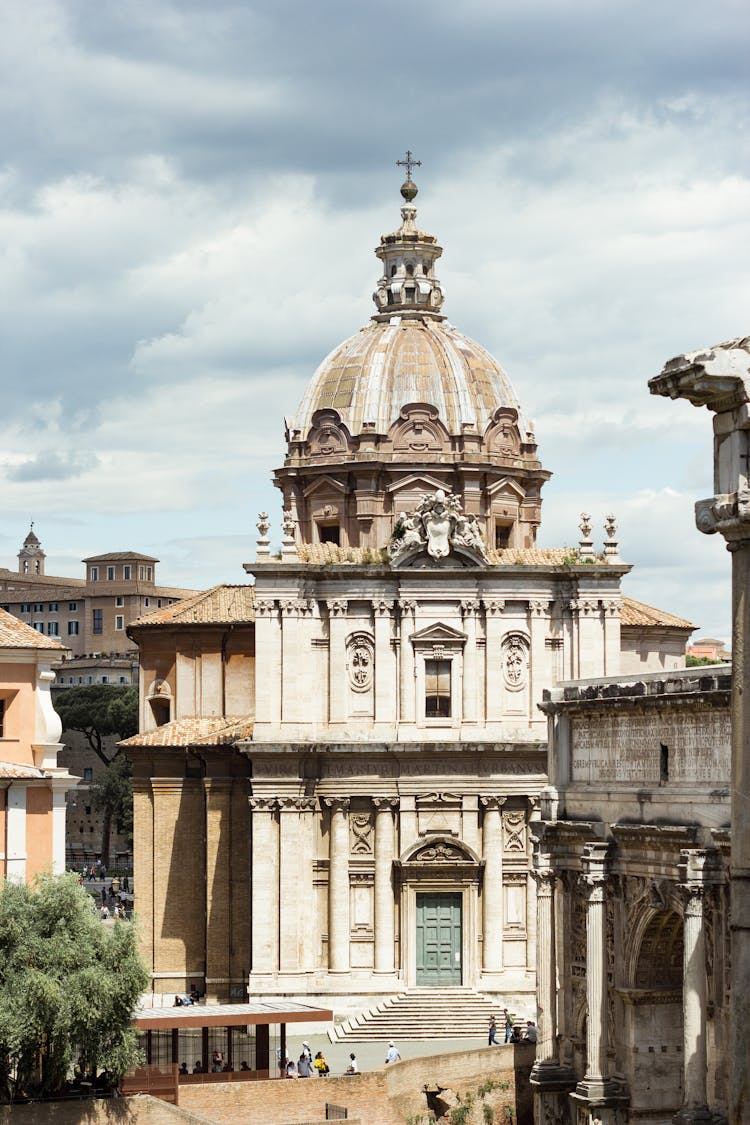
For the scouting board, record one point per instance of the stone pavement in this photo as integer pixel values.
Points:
(371, 1055)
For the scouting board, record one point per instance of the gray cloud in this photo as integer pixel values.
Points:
(52, 467)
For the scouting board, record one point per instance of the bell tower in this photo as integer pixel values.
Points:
(31, 556)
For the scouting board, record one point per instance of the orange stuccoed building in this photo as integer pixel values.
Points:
(32, 785)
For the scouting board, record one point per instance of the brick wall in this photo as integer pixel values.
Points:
(387, 1096)
(138, 1110)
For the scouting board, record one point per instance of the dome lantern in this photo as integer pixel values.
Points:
(408, 287)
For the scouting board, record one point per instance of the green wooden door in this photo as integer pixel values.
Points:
(438, 939)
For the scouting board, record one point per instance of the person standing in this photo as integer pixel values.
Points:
(304, 1066)
(508, 1024)
(352, 1067)
(493, 1032)
(392, 1054)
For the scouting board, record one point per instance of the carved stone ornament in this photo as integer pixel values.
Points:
(514, 830)
(360, 827)
(515, 661)
(439, 853)
(264, 607)
(439, 527)
(360, 662)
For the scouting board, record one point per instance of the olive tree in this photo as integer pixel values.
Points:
(68, 987)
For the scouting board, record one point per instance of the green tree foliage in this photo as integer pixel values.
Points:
(112, 794)
(699, 661)
(98, 710)
(68, 987)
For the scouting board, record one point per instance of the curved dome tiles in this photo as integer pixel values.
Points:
(371, 376)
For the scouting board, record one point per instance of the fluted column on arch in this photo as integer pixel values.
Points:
(600, 1097)
(338, 885)
(385, 911)
(694, 1110)
(551, 1082)
(492, 886)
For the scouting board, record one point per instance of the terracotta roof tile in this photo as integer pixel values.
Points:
(195, 730)
(115, 556)
(11, 770)
(638, 613)
(323, 554)
(17, 634)
(221, 605)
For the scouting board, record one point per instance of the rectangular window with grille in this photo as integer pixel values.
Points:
(98, 621)
(437, 676)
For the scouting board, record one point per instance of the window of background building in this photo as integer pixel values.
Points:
(39, 626)
(146, 602)
(72, 628)
(110, 574)
(119, 600)
(119, 621)
(329, 533)
(140, 573)
(38, 607)
(126, 573)
(26, 607)
(122, 680)
(6, 608)
(53, 629)
(95, 574)
(437, 674)
(148, 573)
(105, 679)
(89, 679)
(98, 621)
(88, 773)
(53, 607)
(72, 607)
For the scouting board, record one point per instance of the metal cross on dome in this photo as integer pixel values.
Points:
(409, 163)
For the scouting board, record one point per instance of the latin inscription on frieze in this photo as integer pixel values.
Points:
(647, 749)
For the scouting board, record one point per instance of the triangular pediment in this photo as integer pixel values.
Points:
(438, 634)
(324, 482)
(507, 484)
(421, 480)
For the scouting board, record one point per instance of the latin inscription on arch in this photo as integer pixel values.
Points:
(627, 748)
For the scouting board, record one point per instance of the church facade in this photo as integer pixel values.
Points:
(340, 766)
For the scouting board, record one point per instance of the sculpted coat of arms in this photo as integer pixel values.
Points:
(439, 527)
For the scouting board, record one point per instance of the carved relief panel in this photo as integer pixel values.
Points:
(514, 657)
(514, 832)
(360, 671)
(439, 812)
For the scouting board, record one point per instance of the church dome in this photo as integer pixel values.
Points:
(409, 405)
(373, 375)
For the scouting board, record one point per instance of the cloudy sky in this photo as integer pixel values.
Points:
(190, 193)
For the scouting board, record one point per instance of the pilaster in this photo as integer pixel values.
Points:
(338, 885)
(337, 625)
(406, 671)
(385, 680)
(268, 657)
(385, 911)
(265, 884)
(493, 608)
(694, 1110)
(469, 610)
(492, 887)
(218, 797)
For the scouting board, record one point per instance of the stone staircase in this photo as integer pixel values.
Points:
(422, 1013)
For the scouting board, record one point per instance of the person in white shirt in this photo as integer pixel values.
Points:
(392, 1055)
(352, 1067)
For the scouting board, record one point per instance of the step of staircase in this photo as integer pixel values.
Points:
(421, 1013)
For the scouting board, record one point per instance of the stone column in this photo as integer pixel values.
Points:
(385, 685)
(719, 378)
(492, 887)
(469, 610)
(694, 1059)
(291, 662)
(337, 623)
(265, 886)
(385, 909)
(338, 886)
(612, 636)
(407, 688)
(589, 646)
(599, 1096)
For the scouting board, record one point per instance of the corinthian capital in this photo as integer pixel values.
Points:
(336, 804)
